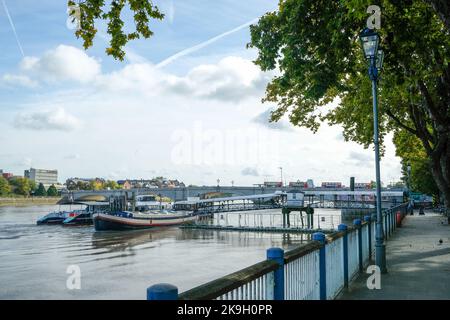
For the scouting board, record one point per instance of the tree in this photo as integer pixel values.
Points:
(5, 188)
(41, 192)
(52, 191)
(111, 185)
(314, 45)
(21, 185)
(88, 12)
(95, 185)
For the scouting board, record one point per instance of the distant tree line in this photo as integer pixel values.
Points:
(25, 187)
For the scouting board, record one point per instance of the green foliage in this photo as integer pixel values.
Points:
(40, 192)
(5, 189)
(412, 152)
(52, 191)
(314, 46)
(111, 185)
(95, 185)
(21, 185)
(111, 12)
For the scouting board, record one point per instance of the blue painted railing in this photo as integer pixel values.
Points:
(320, 269)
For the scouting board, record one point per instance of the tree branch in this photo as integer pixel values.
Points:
(401, 124)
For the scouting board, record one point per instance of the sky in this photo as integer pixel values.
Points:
(184, 104)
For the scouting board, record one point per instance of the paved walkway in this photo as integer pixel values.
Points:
(418, 265)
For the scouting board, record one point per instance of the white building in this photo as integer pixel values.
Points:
(46, 177)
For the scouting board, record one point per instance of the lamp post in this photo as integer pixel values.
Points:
(281, 173)
(370, 42)
(408, 170)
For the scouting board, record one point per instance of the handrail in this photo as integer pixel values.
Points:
(218, 287)
(301, 251)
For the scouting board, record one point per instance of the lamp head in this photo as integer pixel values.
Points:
(369, 43)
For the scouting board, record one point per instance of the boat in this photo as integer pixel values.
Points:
(74, 217)
(56, 217)
(126, 220)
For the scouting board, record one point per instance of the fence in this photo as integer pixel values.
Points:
(319, 269)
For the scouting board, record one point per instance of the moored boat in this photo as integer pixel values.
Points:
(58, 217)
(126, 220)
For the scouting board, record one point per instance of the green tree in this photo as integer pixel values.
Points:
(5, 188)
(52, 191)
(95, 185)
(111, 185)
(89, 12)
(21, 185)
(314, 46)
(40, 192)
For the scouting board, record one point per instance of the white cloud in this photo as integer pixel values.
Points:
(57, 119)
(64, 63)
(264, 117)
(231, 79)
(20, 80)
(250, 172)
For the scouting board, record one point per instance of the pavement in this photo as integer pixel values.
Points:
(418, 264)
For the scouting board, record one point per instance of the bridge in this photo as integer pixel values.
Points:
(321, 197)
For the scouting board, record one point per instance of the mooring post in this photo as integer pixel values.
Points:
(277, 255)
(357, 224)
(319, 236)
(343, 227)
(369, 235)
(162, 291)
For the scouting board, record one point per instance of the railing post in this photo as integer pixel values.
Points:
(357, 224)
(343, 227)
(162, 291)
(369, 235)
(319, 236)
(277, 255)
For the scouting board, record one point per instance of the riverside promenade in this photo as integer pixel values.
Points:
(418, 264)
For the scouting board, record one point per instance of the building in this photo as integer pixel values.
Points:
(298, 184)
(363, 185)
(46, 177)
(124, 184)
(332, 185)
(275, 184)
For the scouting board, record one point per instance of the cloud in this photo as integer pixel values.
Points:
(64, 63)
(57, 119)
(231, 79)
(250, 172)
(20, 80)
(360, 159)
(264, 117)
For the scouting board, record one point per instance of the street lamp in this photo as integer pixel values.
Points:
(408, 170)
(370, 41)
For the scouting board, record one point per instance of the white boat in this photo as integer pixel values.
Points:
(126, 220)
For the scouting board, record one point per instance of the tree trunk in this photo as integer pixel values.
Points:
(441, 173)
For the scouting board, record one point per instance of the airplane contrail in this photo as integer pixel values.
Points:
(13, 28)
(197, 47)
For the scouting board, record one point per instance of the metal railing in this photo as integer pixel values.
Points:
(319, 269)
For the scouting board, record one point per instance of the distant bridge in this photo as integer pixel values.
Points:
(321, 197)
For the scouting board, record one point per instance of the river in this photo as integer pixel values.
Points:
(119, 265)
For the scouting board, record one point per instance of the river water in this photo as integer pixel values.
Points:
(120, 265)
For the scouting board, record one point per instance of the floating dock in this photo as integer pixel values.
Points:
(255, 229)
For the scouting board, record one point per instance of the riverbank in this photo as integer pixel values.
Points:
(29, 201)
